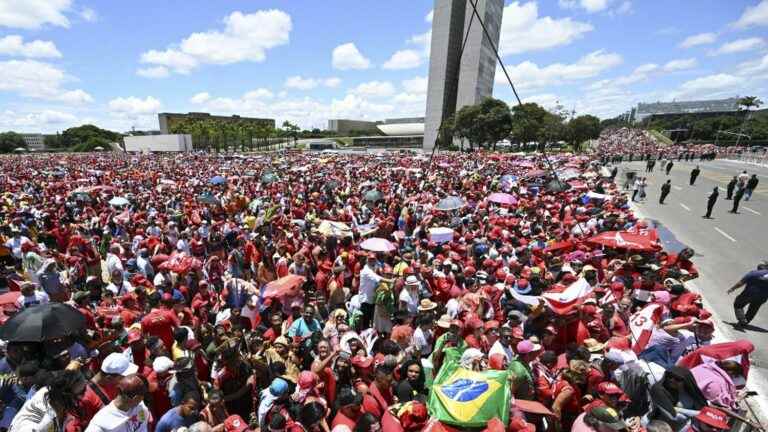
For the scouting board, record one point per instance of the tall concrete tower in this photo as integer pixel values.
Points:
(457, 79)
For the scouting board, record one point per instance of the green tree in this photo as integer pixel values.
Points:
(291, 130)
(81, 134)
(750, 101)
(9, 141)
(53, 141)
(583, 128)
(484, 124)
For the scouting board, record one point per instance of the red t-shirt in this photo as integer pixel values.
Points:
(160, 323)
(89, 405)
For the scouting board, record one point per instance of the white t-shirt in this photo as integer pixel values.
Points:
(37, 298)
(111, 419)
(369, 280)
(498, 348)
(411, 299)
(36, 415)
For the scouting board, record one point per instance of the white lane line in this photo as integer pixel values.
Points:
(725, 235)
(750, 210)
(685, 206)
(677, 188)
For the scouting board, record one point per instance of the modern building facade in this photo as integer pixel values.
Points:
(460, 77)
(344, 126)
(167, 120)
(658, 109)
(34, 141)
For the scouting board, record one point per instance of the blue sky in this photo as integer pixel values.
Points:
(117, 63)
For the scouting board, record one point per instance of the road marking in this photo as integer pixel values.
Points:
(725, 235)
(750, 210)
(677, 188)
(685, 206)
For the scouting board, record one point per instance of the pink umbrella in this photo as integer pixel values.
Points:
(502, 198)
(376, 244)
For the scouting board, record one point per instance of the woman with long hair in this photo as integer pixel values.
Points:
(411, 384)
(48, 408)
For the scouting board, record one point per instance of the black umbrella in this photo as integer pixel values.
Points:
(43, 322)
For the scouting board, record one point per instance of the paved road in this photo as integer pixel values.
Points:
(727, 246)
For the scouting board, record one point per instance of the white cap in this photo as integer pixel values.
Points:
(162, 364)
(118, 364)
(411, 280)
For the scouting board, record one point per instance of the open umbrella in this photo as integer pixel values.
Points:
(376, 244)
(334, 229)
(286, 286)
(269, 178)
(535, 173)
(624, 240)
(98, 148)
(502, 198)
(373, 195)
(450, 203)
(217, 180)
(43, 322)
(118, 201)
(207, 198)
(19, 149)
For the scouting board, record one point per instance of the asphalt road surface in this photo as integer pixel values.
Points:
(727, 246)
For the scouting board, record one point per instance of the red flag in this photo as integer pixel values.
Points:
(642, 323)
(737, 351)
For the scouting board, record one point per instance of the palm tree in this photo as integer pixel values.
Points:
(747, 102)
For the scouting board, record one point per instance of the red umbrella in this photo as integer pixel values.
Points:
(286, 286)
(737, 350)
(535, 173)
(502, 198)
(625, 240)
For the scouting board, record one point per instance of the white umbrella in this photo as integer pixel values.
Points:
(118, 201)
(377, 244)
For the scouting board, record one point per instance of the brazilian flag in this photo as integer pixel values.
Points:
(466, 398)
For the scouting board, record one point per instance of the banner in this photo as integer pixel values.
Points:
(641, 325)
(466, 398)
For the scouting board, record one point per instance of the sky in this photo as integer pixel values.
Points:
(117, 64)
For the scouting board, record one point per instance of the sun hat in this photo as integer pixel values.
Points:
(118, 364)
(427, 305)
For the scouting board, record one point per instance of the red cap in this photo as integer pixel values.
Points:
(235, 423)
(362, 362)
(167, 297)
(713, 417)
(469, 271)
(607, 387)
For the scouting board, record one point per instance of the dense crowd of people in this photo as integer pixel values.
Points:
(302, 291)
(634, 144)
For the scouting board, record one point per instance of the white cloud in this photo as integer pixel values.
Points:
(14, 45)
(403, 59)
(522, 30)
(753, 16)
(757, 69)
(374, 89)
(307, 112)
(347, 56)
(201, 97)
(89, 15)
(132, 106)
(31, 78)
(680, 64)
(153, 72)
(75, 97)
(430, 16)
(259, 94)
(739, 45)
(35, 121)
(246, 37)
(332, 82)
(590, 6)
(698, 39)
(416, 85)
(530, 75)
(711, 85)
(546, 100)
(300, 83)
(33, 14)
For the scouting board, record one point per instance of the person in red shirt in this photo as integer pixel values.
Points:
(350, 410)
(101, 389)
(161, 322)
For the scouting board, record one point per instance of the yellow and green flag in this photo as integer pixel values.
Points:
(467, 398)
